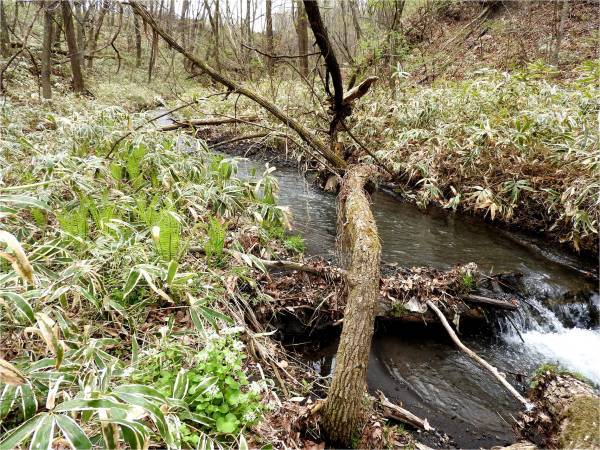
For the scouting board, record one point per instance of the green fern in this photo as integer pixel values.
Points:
(75, 221)
(216, 240)
(170, 235)
(134, 164)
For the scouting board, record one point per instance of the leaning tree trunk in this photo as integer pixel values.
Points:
(46, 52)
(566, 413)
(74, 55)
(360, 249)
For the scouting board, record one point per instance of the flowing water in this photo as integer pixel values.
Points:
(420, 367)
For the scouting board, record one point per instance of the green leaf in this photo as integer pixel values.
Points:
(146, 391)
(7, 399)
(29, 402)
(226, 424)
(19, 434)
(154, 410)
(242, 445)
(132, 280)
(180, 388)
(171, 271)
(89, 405)
(134, 433)
(73, 432)
(21, 304)
(44, 432)
(23, 201)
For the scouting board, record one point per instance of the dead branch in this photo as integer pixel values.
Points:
(359, 91)
(392, 411)
(309, 138)
(194, 123)
(475, 357)
(502, 304)
(278, 264)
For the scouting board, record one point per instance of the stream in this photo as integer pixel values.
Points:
(421, 369)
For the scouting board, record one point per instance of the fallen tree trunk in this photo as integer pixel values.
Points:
(361, 252)
(195, 123)
(396, 412)
(566, 412)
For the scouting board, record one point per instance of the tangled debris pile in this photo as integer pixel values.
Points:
(312, 300)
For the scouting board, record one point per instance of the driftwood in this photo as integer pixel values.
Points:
(475, 357)
(481, 300)
(194, 123)
(392, 411)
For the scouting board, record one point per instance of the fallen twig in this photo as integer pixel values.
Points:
(396, 412)
(479, 360)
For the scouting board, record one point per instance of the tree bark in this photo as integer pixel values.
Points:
(361, 252)
(269, 24)
(4, 40)
(138, 41)
(74, 55)
(302, 33)
(304, 134)
(46, 52)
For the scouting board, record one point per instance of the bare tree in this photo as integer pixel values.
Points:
(46, 51)
(302, 34)
(74, 54)
(4, 40)
(96, 33)
(269, 24)
(138, 41)
(560, 31)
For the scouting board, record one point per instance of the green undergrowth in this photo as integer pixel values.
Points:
(115, 325)
(518, 148)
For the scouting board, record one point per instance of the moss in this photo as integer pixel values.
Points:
(582, 428)
(554, 369)
(398, 310)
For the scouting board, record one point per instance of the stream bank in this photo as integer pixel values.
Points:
(422, 370)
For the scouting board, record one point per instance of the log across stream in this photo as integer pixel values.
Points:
(419, 367)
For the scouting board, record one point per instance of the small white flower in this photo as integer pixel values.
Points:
(249, 416)
(231, 330)
(212, 391)
(238, 346)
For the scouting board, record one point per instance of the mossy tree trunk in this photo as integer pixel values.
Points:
(566, 413)
(360, 249)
